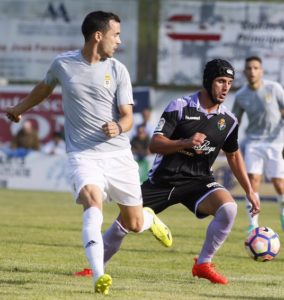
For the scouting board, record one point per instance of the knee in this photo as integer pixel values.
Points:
(228, 211)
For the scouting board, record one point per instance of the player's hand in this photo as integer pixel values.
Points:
(13, 115)
(254, 200)
(111, 129)
(196, 140)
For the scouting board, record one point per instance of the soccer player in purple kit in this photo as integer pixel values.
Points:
(191, 132)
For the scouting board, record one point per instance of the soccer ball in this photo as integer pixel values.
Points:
(262, 244)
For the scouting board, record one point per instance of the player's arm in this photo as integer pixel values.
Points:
(163, 145)
(40, 92)
(237, 165)
(124, 124)
(237, 110)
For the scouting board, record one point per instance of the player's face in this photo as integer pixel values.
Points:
(221, 87)
(253, 72)
(110, 40)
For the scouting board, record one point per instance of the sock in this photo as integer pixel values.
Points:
(253, 221)
(92, 240)
(280, 200)
(112, 239)
(114, 235)
(217, 231)
(148, 220)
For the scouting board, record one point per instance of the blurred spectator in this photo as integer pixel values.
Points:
(140, 149)
(56, 146)
(146, 116)
(24, 141)
(26, 137)
(142, 118)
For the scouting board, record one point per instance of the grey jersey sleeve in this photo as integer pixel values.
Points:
(50, 77)
(124, 88)
(279, 95)
(237, 110)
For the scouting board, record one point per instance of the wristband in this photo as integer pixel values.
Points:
(119, 128)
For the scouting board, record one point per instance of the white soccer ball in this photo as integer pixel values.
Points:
(262, 244)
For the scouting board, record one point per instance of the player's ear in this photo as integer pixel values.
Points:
(97, 36)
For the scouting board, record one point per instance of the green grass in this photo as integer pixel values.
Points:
(41, 248)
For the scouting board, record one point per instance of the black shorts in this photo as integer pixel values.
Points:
(190, 194)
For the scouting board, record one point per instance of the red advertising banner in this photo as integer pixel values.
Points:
(47, 117)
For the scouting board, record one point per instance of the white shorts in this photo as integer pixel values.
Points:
(115, 173)
(264, 158)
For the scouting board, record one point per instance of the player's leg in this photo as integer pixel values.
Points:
(90, 197)
(255, 156)
(87, 182)
(279, 187)
(126, 191)
(131, 218)
(255, 181)
(222, 206)
(275, 170)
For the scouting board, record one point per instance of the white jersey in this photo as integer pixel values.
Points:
(91, 95)
(263, 110)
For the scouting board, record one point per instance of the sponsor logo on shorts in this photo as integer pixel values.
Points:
(213, 184)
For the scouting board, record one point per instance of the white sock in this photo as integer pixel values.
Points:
(92, 240)
(148, 220)
(280, 200)
(253, 221)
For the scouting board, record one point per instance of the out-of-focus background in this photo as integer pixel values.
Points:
(165, 44)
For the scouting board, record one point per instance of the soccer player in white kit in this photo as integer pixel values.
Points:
(263, 102)
(97, 104)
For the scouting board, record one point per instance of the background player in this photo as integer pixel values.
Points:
(263, 102)
(97, 104)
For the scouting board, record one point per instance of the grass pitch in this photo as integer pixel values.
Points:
(40, 249)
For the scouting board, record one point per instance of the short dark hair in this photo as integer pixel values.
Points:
(97, 21)
(254, 57)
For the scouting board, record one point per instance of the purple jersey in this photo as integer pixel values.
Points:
(181, 119)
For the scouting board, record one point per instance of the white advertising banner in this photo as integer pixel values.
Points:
(194, 32)
(36, 171)
(33, 32)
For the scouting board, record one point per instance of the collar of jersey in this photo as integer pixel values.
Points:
(204, 111)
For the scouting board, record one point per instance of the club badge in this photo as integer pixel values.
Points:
(221, 124)
(107, 81)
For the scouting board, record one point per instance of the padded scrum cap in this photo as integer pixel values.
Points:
(216, 68)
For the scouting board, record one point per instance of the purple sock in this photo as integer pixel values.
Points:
(112, 239)
(217, 231)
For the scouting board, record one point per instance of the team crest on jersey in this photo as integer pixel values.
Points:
(268, 98)
(107, 81)
(221, 124)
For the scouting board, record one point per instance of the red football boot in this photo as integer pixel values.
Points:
(85, 272)
(207, 271)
